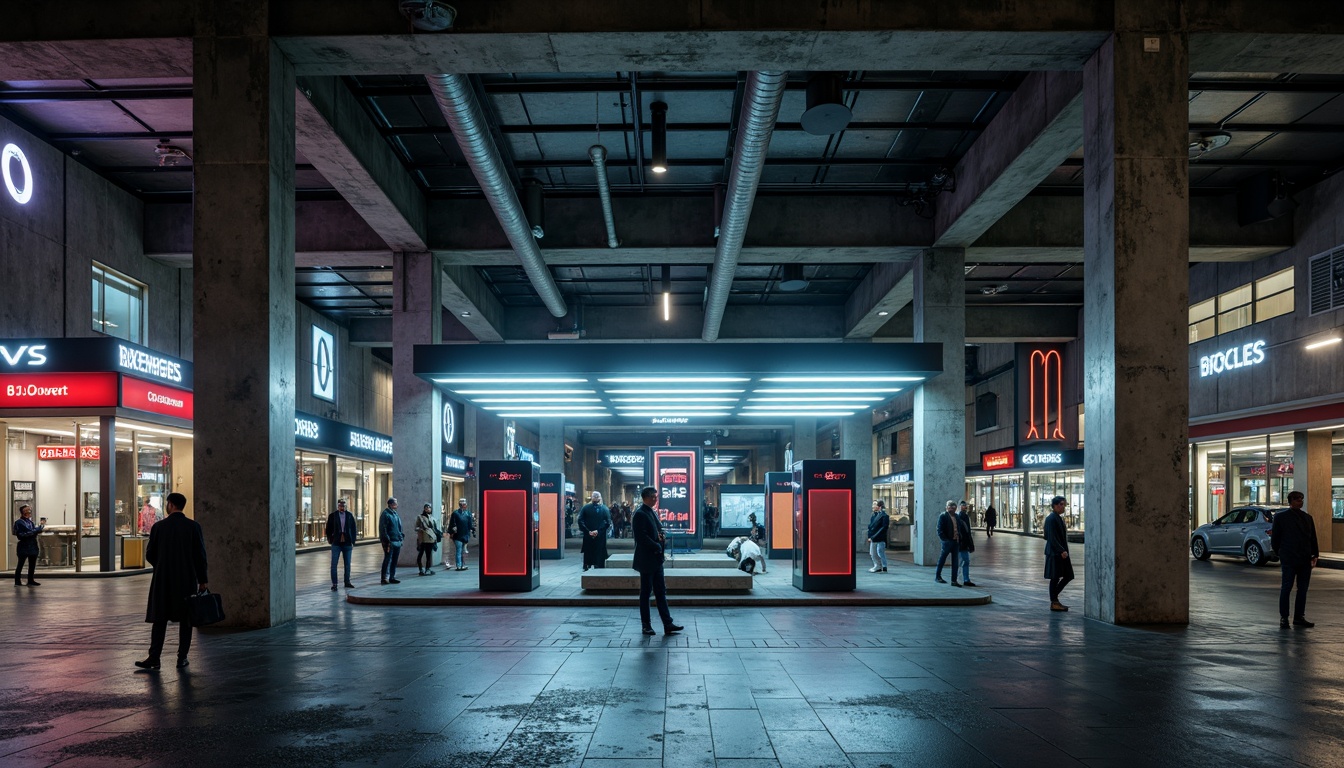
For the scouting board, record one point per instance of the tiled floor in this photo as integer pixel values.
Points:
(1002, 684)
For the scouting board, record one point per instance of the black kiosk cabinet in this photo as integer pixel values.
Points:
(510, 557)
(823, 519)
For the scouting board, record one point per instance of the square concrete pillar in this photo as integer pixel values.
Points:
(1136, 388)
(243, 309)
(417, 433)
(551, 452)
(940, 403)
(856, 442)
(804, 440)
(1312, 468)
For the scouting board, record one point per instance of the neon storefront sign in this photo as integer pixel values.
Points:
(10, 156)
(1232, 358)
(1050, 371)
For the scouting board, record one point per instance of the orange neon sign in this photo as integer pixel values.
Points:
(1043, 396)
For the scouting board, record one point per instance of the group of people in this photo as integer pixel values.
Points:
(341, 536)
(954, 531)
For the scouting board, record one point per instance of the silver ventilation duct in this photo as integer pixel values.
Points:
(598, 154)
(458, 103)
(760, 109)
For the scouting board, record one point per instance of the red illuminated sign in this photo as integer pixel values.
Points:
(1042, 374)
(674, 476)
(505, 528)
(156, 398)
(64, 452)
(830, 532)
(58, 390)
(997, 460)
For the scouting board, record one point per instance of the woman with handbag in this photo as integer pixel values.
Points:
(427, 537)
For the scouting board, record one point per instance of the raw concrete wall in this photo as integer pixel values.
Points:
(1290, 373)
(363, 384)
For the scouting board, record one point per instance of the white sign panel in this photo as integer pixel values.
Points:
(324, 365)
(1232, 358)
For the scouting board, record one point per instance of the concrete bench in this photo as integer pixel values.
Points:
(700, 560)
(678, 580)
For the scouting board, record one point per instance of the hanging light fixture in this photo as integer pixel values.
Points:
(791, 278)
(659, 110)
(534, 207)
(826, 112)
(667, 293)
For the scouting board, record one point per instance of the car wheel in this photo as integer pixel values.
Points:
(1199, 549)
(1254, 554)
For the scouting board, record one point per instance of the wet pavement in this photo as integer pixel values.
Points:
(1007, 683)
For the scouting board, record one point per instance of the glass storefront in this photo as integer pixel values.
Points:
(1022, 499)
(1047, 485)
(322, 479)
(1231, 473)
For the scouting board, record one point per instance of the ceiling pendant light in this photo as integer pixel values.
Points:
(791, 278)
(826, 112)
(667, 293)
(659, 110)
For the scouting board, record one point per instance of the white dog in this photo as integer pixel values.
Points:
(748, 555)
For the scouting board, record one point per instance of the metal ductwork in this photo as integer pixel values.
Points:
(760, 109)
(458, 103)
(598, 154)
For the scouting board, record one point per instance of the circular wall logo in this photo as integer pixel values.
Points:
(21, 189)
(449, 424)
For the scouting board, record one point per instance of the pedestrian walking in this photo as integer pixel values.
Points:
(991, 521)
(391, 537)
(965, 544)
(176, 549)
(948, 534)
(460, 528)
(594, 525)
(27, 549)
(650, 543)
(427, 538)
(1058, 566)
(1293, 536)
(341, 536)
(877, 537)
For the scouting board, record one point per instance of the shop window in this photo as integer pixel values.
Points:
(986, 412)
(118, 305)
(1202, 322)
(1274, 295)
(1234, 309)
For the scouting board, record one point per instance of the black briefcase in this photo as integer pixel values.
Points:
(205, 608)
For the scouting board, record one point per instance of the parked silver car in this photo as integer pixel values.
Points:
(1243, 532)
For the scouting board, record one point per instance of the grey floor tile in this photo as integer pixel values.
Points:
(807, 749)
(739, 733)
(788, 715)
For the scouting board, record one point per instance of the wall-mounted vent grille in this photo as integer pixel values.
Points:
(1327, 281)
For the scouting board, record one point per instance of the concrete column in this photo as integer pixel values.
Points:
(1312, 466)
(1136, 242)
(417, 426)
(804, 440)
(107, 493)
(551, 452)
(243, 329)
(856, 442)
(940, 403)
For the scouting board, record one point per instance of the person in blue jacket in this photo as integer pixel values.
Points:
(877, 537)
(391, 537)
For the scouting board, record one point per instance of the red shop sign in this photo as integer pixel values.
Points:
(61, 452)
(58, 390)
(997, 460)
(156, 398)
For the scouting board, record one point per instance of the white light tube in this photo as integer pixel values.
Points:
(839, 378)
(673, 379)
(1323, 343)
(509, 380)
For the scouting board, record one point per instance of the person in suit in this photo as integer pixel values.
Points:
(594, 524)
(965, 544)
(341, 537)
(27, 548)
(176, 549)
(1293, 536)
(877, 536)
(947, 534)
(649, 543)
(1058, 566)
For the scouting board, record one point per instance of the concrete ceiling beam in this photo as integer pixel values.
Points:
(1039, 126)
(472, 303)
(885, 290)
(988, 325)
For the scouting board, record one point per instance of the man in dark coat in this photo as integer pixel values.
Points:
(341, 536)
(1293, 536)
(177, 551)
(594, 523)
(648, 560)
(1058, 566)
(965, 544)
(991, 521)
(877, 536)
(948, 535)
(27, 548)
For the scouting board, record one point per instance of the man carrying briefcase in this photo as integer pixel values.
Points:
(177, 552)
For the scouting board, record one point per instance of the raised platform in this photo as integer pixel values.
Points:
(700, 560)
(678, 580)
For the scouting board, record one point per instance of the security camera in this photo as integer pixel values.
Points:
(428, 15)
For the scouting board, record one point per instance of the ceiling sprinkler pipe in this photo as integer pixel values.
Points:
(598, 154)
(458, 103)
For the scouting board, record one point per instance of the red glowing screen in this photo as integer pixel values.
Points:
(550, 520)
(156, 398)
(58, 390)
(830, 532)
(505, 529)
(675, 477)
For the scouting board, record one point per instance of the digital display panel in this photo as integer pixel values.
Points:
(676, 476)
(830, 526)
(550, 520)
(781, 520)
(505, 528)
(734, 507)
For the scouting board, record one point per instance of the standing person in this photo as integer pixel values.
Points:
(176, 549)
(594, 522)
(341, 537)
(569, 518)
(709, 520)
(1058, 566)
(648, 560)
(460, 528)
(27, 548)
(148, 517)
(877, 537)
(965, 544)
(389, 533)
(948, 534)
(1293, 537)
(427, 538)
(991, 521)
(755, 530)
